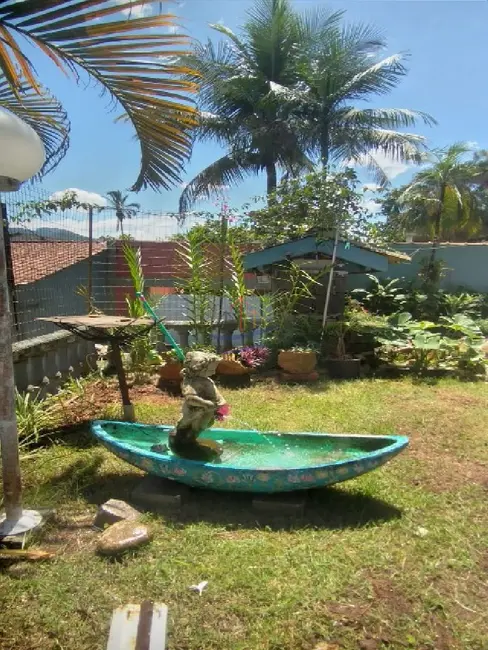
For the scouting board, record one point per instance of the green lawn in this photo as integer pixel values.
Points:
(395, 559)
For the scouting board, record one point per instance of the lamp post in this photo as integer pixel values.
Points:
(21, 157)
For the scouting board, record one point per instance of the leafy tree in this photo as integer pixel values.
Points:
(316, 203)
(339, 67)
(236, 107)
(128, 56)
(123, 210)
(445, 200)
(284, 93)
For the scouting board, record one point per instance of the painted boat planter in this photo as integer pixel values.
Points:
(256, 462)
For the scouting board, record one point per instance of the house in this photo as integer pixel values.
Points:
(315, 255)
(46, 277)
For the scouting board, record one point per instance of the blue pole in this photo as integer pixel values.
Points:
(149, 310)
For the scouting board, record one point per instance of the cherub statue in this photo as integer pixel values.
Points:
(202, 405)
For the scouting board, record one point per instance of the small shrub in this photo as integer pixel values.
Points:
(382, 296)
(33, 417)
(254, 356)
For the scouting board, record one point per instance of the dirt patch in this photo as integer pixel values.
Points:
(68, 536)
(445, 473)
(389, 595)
(92, 401)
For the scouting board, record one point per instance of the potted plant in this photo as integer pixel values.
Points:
(298, 360)
(341, 365)
(237, 365)
(171, 367)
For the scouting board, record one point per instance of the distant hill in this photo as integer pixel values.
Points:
(44, 233)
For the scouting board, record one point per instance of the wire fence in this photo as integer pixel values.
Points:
(62, 262)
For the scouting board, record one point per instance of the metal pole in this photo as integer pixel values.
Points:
(16, 520)
(331, 277)
(10, 267)
(90, 258)
(12, 488)
(223, 249)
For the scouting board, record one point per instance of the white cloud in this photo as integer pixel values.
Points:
(82, 196)
(173, 29)
(138, 11)
(472, 144)
(144, 227)
(390, 166)
(371, 206)
(183, 185)
(371, 187)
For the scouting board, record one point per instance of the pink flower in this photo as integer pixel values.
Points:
(222, 412)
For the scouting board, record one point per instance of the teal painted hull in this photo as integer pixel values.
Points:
(253, 461)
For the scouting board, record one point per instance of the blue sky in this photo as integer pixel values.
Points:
(448, 45)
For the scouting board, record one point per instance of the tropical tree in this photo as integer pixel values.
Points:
(284, 93)
(123, 210)
(132, 58)
(339, 67)
(443, 200)
(236, 106)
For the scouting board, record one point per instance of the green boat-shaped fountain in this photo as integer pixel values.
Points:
(252, 461)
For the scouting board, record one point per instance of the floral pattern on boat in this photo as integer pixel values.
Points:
(361, 454)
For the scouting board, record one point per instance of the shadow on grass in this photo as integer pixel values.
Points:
(328, 508)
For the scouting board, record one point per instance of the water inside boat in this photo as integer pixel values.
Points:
(255, 450)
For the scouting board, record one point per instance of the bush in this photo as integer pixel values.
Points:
(453, 344)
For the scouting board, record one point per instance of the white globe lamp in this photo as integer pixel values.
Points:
(22, 153)
(22, 156)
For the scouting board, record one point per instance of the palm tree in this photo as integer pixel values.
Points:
(444, 199)
(339, 67)
(123, 210)
(236, 106)
(129, 57)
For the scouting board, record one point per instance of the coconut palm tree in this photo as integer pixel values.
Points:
(130, 57)
(340, 67)
(445, 199)
(236, 107)
(283, 93)
(123, 210)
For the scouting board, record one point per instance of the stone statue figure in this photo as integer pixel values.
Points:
(202, 405)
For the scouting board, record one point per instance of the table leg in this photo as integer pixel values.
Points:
(128, 407)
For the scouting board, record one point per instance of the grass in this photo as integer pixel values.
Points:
(395, 559)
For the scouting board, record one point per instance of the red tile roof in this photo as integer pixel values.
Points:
(35, 260)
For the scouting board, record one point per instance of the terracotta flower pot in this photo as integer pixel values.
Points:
(297, 362)
(171, 371)
(231, 367)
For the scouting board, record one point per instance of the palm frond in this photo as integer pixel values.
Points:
(44, 114)
(136, 66)
(228, 170)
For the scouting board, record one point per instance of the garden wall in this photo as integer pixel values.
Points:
(467, 266)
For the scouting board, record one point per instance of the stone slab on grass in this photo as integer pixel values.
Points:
(283, 504)
(115, 510)
(158, 494)
(123, 536)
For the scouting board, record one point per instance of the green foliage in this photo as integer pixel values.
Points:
(236, 290)
(383, 296)
(197, 284)
(317, 203)
(446, 200)
(453, 345)
(142, 354)
(34, 417)
(281, 330)
(289, 91)
(38, 209)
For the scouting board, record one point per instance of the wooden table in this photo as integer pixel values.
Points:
(114, 330)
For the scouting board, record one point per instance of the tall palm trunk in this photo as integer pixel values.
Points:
(324, 145)
(437, 233)
(271, 178)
